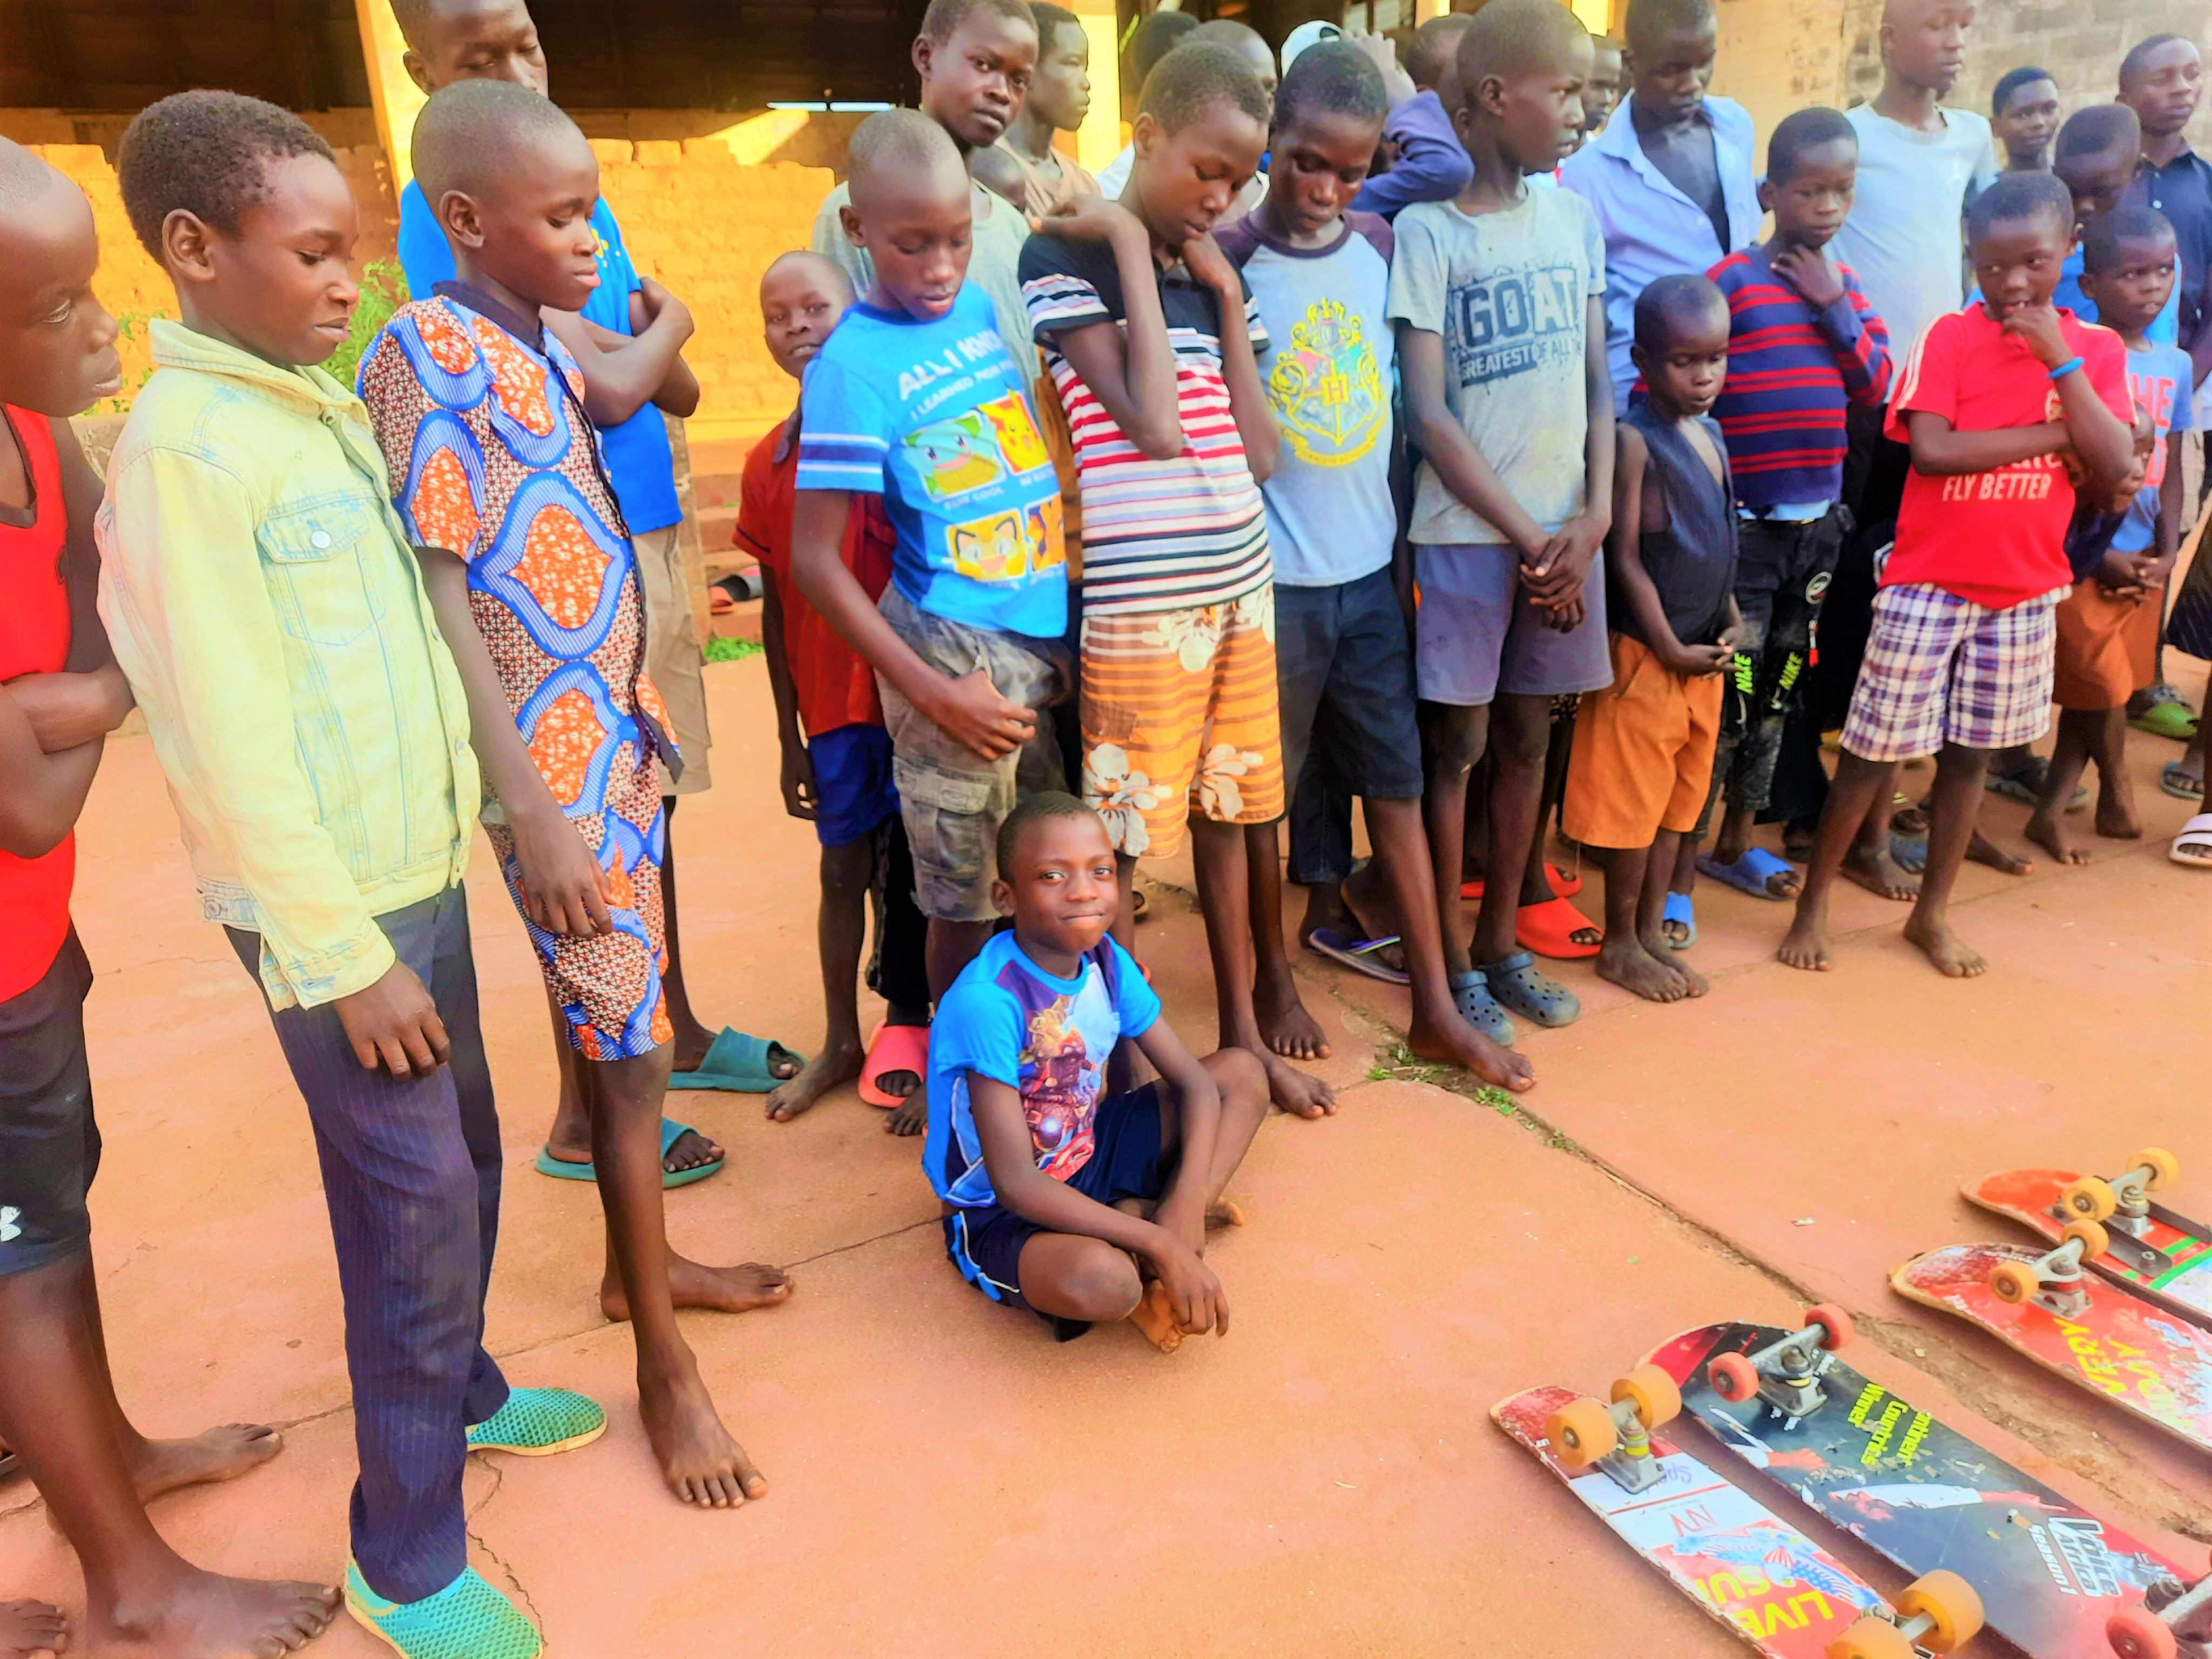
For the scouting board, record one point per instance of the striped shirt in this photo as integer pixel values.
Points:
(1791, 372)
(1157, 536)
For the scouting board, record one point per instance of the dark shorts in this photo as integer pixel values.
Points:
(1344, 666)
(1478, 633)
(49, 1144)
(852, 787)
(986, 1242)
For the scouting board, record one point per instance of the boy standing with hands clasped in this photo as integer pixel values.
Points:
(1999, 401)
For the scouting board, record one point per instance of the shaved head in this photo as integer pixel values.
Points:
(470, 133)
(24, 176)
(2099, 130)
(898, 145)
(814, 267)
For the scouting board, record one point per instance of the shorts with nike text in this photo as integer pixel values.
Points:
(48, 1145)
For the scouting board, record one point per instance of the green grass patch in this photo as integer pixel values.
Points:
(723, 649)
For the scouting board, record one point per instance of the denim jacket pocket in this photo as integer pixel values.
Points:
(312, 549)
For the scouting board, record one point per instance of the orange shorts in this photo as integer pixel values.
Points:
(1643, 759)
(2107, 646)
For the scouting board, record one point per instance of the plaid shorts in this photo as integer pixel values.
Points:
(1940, 669)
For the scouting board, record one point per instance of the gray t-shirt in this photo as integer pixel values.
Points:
(1905, 240)
(1510, 293)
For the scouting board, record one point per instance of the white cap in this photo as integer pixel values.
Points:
(1308, 34)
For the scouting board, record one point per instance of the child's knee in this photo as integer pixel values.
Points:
(1521, 741)
(1237, 1073)
(1103, 1284)
(1452, 739)
(846, 872)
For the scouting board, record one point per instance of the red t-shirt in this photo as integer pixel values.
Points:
(835, 685)
(1996, 537)
(34, 639)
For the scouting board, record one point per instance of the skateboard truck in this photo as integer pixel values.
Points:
(1786, 1374)
(2174, 1622)
(1938, 1612)
(2122, 1202)
(2054, 1280)
(1616, 1439)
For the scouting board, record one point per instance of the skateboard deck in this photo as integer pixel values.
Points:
(1748, 1568)
(2170, 1263)
(2120, 1348)
(2049, 1573)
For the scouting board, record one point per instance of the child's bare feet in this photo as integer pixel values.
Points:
(2047, 830)
(910, 1117)
(1878, 873)
(838, 1064)
(2116, 810)
(1155, 1316)
(1943, 949)
(1455, 1043)
(32, 1630)
(1284, 1025)
(1982, 850)
(202, 1615)
(1295, 1092)
(741, 1289)
(221, 1454)
(1224, 1211)
(689, 1151)
(1629, 963)
(1806, 945)
(699, 1460)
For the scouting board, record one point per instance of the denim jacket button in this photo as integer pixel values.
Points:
(321, 538)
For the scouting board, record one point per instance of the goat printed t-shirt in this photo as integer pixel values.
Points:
(1046, 1038)
(1997, 537)
(2159, 381)
(935, 417)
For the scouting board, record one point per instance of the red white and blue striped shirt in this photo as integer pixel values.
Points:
(1791, 373)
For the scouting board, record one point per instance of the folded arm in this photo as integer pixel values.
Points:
(89, 698)
(623, 374)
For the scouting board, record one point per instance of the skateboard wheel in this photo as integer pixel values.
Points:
(2165, 1166)
(1581, 1431)
(1872, 1639)
(1653, 1395)
(1835, 1324)
(2095, 1241)
(2138, 1633)
(1948, 1603)
(2014, 1282)
(2088, 1199)
(1733, 1377)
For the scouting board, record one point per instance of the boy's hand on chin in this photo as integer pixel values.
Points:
(970, 711)
(1812, 273)
(1094, 219)
(1203, 257)
(2037, 328)
(395, 1023)
(563, 889)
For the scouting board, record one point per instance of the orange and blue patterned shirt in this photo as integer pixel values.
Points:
(480, 414)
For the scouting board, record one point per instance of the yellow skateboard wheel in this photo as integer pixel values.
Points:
(2013, 1282)
(1581, 1431)
(2088, 1199)
(2165, 1166)
(1653, 1395)
(1949, 1603)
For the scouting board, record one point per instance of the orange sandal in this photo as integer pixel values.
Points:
(894, 1049)
(1549, 928)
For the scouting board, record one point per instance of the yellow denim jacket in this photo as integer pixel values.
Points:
(269, 612)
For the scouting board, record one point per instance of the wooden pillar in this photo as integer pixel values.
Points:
(397, 99)
(1100, 140)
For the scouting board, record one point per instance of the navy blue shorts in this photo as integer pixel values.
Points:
(852, 787)
(1126, 1162)
(1344, 665)
(49, 1144)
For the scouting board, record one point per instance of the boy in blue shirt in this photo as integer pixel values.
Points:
(916, 397)
(1077, 1207)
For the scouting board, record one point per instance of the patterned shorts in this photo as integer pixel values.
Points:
(1940, 669)
(608, 985)
(1180, 719)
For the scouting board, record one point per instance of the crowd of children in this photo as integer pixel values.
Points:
(1444, 437)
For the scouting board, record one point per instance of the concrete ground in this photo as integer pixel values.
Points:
(1324, 1480)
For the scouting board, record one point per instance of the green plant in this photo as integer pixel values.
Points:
(383, 291)
(723, 649)
(128, 325)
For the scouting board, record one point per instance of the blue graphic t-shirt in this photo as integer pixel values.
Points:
(1046, 1038)
(2159, 380)
(934, 416)
(638, 457)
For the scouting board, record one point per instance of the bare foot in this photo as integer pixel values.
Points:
(205, 1616)
(1806, 945)
(741, 1289)
(838, 1064)
(2048, 830)
(1878, 873)
(1284, 1025)
(689, 1151)
(32, 1630)
(701, 1462)
(1982, 850)
(221, 1454)
(1455, 1043)
(1293, 1090)
(1694, 983)
(1155, 1317)
(1224, 1211)
(1941, 947)
(2116, 814)
(1633, 967)
(910, 1117)
(692, 1041)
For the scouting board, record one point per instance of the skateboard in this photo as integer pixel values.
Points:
(2096, 1335)
(2053, 1577)
(2162, 1256)
(1745, 1566)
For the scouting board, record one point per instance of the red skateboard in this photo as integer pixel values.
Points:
(2161, 1255)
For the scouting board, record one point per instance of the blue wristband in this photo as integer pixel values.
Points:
(2066, 367)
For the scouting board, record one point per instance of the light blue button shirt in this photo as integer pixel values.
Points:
(1651, 229)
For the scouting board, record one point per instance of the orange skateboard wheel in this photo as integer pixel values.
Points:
(1834, 1322)
(1733, 1377)
(1872, 1639)
(2165, 1166)
(2138, 1633)
(1653, 1395)
(2013, 1282)
(1581, 1432)
(2088, 1199)
(2095, 1241)
(1950, 1605)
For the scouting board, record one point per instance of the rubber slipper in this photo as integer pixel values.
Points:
(2193, 846)
(1682, 908)
(738, 1061)
(1749, 874)
(1549, 928)
(1471, 996)
(2167, 720)
(1362, 956)
(1520, 988)
(1909, 852)
(1562, 884)
(2173, 778)
(539, 1422)
(671, 1132)
(894, 1049)
(466, 1617)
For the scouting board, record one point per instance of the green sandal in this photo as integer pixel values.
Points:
(538, 1422)
(2167, 716)
(467, 1619)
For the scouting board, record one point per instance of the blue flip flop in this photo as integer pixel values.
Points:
(1749, 874)
(1682, 908)
(1362, 956)
(671, 1133)
(738, 1061)
(1521, 987)
(1908, 853)
(1471, 996)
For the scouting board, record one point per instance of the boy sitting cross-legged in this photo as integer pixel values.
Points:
(836, 754)
(1150, 335)
(480, 411)
(1999, 402)
(1078, 1207)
